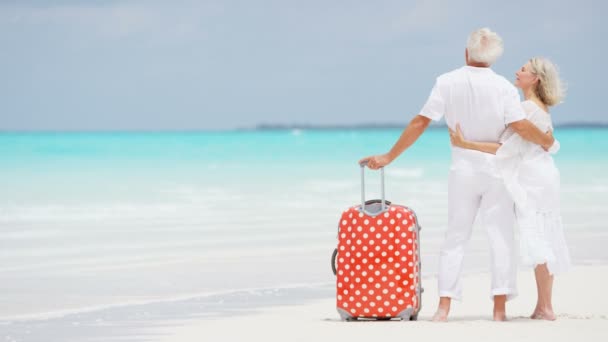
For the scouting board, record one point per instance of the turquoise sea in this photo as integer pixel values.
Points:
(91, 222)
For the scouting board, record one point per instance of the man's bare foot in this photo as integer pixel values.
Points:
(500, 316)
(500, 310)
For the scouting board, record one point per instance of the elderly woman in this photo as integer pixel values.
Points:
(533, 180)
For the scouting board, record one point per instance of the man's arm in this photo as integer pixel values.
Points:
(410, 134)
(530, 132)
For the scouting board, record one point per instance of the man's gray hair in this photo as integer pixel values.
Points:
(484, 46)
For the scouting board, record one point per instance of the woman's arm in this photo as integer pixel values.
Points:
(458, 140)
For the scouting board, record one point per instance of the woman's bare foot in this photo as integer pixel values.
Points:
(544, 314)
(443, 309)
(440, 316)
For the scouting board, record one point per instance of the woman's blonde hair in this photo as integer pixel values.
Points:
(550, 89)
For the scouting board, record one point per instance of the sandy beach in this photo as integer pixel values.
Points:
(578, 300)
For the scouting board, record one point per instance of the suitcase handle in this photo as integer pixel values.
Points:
(383, 202)
(333, 260)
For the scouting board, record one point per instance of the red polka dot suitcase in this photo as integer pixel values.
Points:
(377, 261)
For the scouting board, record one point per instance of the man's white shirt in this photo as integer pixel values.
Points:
(483, 103)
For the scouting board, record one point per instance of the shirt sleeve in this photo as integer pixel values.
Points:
(434, 108)
(513, 109)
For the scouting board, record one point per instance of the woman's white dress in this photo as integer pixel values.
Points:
(533, 181)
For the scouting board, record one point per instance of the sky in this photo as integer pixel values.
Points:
(214, 65)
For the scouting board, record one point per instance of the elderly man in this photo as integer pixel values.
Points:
(484, 104)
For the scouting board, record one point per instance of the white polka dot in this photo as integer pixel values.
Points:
(354, 221)
(385, 291)
(397, 277)
(391, 271)
(397, 241)
(352, 273)
(353, 310)
(378, 235)
(405, 282)
(347, 266)
(371, 292)
(358, 305)
(352, 286)
(394, 309)
(366, 222)
(371, 267)
(397, 253)
(391, 284)
(370, 279)
(371, 254)
(358, 267)
(343, 235)
(342, 248)
(400, 301)
(411, 276)
(358, 254)
(403, 235)
(360, 214)
(364, 261)
(384, 278)
(365, 235)
(385, 228)
(358, 242)
(339, 297)
(348, 242)
(377, 273)
(377, 260)
(353, 235)
(378, 297)
(371, 242)
(391, 235)
(364, 273)
(357, 280)
(392, 221)
(364, 248)
(398, 215)
(393, 296)
(377, 286)
(387, 303)
(393, 209)
(404, 222)
(366, 310)
(398, 228)
(397, 265)
(409, 252)
(364, 286)
(372, 229)
(339, 284)
(345, 304)
(390, 247)
(379, 222)
(407, 294)
(351, 298)
(364, 298)
(409, 241)
(380, 309)
(410, 264)
(345, 292)
(384, 242)
(350, 215)
(386, 214)
(346, 279)
(399, 289)
(412, 287)
(372, 304)
(384, 254)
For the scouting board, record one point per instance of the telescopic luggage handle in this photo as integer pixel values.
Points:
(383, 202)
